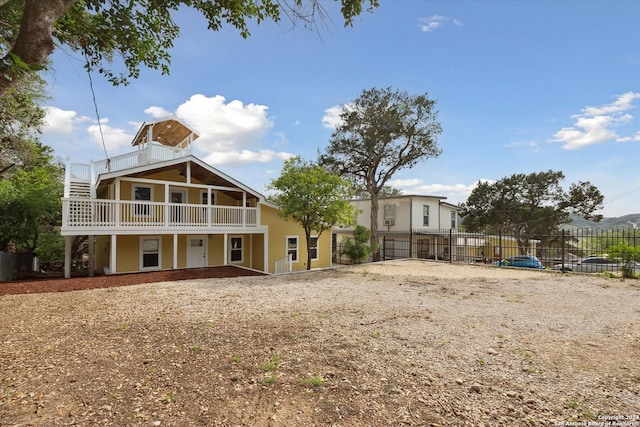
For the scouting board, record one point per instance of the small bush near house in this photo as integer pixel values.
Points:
(357, 249)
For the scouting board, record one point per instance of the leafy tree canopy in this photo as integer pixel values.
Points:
(313, 197)
(525, 206)
(382, 132)
(140, 32)
(386, 191)
(20, 118)
(29, 198)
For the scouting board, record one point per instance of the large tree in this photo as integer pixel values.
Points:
(528, 206)
(20, 118)
(137, 31)
(30, 198)
(380, 133)
(313, 197)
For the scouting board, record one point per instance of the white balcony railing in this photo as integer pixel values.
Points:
(100, 214)
(147, 154)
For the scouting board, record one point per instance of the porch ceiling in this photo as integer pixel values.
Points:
(168, 132)
(177, 173)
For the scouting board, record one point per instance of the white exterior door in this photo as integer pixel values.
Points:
(196, 251)
(177, 212)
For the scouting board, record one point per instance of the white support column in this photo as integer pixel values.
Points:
(92, 255)
(112, 257)
(266, 252)
(244, 208)
(175, 251)
(67, 256)
(167, 200)
(118, 206)
(225, 246)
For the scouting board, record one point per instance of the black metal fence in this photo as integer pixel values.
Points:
(455, 246)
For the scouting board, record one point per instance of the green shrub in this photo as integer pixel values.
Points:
(357, 249)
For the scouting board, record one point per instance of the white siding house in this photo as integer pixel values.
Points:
(408, 226)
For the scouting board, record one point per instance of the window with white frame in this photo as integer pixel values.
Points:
(205, 198)
(292, 247)
(313, 247)
(150, 253)
(389, 214)
(425, 215)
(142, 193)
(453, 219)
(236, 249)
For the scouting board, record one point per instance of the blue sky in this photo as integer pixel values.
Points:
(521, 87)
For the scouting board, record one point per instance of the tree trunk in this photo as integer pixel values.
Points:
(35, 42)
(374, 226)
(307, 235)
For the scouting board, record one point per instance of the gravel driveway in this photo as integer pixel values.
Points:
(394, 343)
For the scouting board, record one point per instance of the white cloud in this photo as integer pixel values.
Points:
(115, 139)
(594, 125)
(331, 118)
(455, 193)
(225, 127)
(61, 121)
(531, 145)
(245, 157)
(434, 22)
(230, 132)
(431, 23)
(157, 112)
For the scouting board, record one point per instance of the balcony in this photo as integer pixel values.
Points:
(100, 216)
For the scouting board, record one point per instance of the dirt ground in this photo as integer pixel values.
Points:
(402, 343)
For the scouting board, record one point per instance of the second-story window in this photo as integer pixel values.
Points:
(453, 219)
(425, 215)
(205, 198)
(142, 193)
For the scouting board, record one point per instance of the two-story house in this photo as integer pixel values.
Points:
(409, 226)
(160, 207)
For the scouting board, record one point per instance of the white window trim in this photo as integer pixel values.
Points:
(427, 216)
(241, 249)
(211, 200)
(142, 239)
(136, 212)
(317, 248)
(286, 247)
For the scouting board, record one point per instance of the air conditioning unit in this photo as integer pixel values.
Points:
(389, 222)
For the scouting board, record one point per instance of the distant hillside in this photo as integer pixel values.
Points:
(606, 223)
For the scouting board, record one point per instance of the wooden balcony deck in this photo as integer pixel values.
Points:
(100, 216)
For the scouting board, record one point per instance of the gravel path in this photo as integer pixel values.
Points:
(393, 343)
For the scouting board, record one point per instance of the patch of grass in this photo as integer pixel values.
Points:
(197, 348)
(167, 398)
(236, 359)
(271, 364)
(123, 327)
(314, 381)
(270, 379)
(375, 335)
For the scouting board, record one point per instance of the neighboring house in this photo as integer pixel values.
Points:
(410, 226)
(160, 207)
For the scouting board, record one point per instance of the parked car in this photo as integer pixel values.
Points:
(522, 261)
(593, 264)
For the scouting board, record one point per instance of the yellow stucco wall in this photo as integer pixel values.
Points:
(279, 230)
